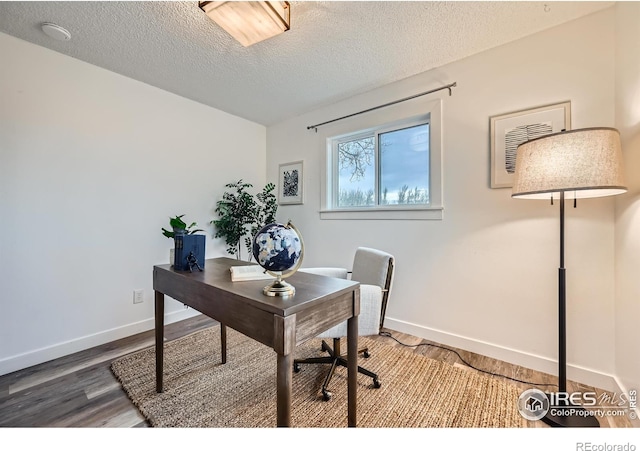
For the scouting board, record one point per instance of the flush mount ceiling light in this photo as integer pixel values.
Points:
(249, 22)
(56, 31)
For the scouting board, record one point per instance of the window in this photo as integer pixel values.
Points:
(390, 171)
(383, 168)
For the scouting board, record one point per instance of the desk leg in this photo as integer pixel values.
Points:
(159, 298)
(285, 383)
(284, 345)
(223, 342)
(352, 368)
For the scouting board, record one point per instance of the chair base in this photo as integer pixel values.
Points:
(335, 359)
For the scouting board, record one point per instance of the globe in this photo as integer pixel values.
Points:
(278, 248)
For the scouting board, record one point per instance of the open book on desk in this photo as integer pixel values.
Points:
(249, 272)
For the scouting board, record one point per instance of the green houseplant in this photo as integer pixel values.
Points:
(241, 215)
(179, 227)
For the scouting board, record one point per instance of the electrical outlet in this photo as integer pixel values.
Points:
(138, 296)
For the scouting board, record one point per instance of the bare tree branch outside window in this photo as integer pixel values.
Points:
(356, 156)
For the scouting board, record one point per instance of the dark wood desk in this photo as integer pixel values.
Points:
(319, 304)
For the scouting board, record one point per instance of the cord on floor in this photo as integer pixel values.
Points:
(388, 334)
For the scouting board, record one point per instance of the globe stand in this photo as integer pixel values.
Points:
(279, 288)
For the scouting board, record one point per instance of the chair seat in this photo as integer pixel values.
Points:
(369, 318)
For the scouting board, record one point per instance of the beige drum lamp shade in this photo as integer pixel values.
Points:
(581, 163)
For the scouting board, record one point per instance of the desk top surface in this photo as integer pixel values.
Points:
(310, 288)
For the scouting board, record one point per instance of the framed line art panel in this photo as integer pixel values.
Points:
(512, 129)
(291, 183)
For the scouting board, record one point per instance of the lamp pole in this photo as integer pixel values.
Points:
(562, 308)
(567, 414)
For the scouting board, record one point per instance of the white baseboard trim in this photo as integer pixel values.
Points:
(37, 356)
(536, 362)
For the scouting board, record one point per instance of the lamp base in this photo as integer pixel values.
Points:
(279, 288)
(570, 416)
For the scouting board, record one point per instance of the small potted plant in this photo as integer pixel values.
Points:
(180, 229)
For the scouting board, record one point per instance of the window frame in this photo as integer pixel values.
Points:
(395, 118)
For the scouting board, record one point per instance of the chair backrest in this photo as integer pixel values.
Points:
(374, 267)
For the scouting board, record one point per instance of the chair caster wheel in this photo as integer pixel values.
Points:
(296, 368)
(377, 383)
(366, 354)
(325, 348)
(326, 395)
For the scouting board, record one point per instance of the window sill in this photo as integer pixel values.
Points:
(420, 214)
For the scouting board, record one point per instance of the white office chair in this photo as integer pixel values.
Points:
(374, 270)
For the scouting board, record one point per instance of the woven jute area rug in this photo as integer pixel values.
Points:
(416, 392)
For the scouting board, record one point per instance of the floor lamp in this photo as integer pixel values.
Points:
(569, 165)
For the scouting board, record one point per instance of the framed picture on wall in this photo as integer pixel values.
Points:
(291, 183)
(512, 129)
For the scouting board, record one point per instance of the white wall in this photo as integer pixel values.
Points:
(627, 363)
(485, 277)
(92, 164)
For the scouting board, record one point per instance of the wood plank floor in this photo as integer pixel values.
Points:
(79, 390)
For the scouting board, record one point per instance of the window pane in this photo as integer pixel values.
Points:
(404, 166)
(356, 173)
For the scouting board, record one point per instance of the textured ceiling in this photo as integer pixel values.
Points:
(334, 49)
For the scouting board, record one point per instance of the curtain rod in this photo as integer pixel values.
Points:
(449, 86)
